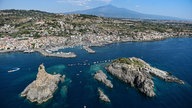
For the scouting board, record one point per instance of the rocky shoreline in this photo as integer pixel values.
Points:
(138, 74)
(43, 44)
(42, 89)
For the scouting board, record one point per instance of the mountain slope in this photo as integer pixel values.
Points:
(115, 12)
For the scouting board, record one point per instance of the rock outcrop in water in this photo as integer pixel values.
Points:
(103, 96)
(137, 73)
(102, 77)
(43, 87)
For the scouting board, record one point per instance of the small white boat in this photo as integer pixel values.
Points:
(14, 69)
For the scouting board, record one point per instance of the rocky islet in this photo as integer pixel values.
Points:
(138, 74)
(102, 96)
(133, 71)
(102, 77)
(42, 89)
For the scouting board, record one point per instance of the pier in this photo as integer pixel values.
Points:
(88, 49)
(57, 54)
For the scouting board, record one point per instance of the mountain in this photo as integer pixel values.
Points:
(115, 12)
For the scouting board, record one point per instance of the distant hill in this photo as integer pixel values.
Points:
(34, 23)
(115, 12)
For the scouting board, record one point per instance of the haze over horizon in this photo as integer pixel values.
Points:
(174, 8)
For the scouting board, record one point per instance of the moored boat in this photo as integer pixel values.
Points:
(13, 70)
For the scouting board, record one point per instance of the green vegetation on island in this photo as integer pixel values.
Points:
(134, 62)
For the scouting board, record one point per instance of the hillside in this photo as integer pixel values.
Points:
(36, 24)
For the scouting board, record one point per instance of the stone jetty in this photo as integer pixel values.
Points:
(88, 49)
(57, 54)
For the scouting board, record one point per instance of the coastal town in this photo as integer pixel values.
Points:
(30, 31)
(96, 53)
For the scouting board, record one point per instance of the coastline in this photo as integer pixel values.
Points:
(52, 51)
(167, 91)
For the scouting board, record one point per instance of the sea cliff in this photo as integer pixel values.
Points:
(138, 74)
(42, 89)
(102, 77)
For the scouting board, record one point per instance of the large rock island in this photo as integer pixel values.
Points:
(43, 87)
(138, 74)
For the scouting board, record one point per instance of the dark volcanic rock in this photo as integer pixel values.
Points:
(137, 73)
(43, 87)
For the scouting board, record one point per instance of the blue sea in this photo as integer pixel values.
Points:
(80, 88)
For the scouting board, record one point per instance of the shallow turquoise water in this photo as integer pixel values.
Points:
(80, 89)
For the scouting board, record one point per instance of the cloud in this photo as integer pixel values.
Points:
(75, 2)
(137, 6)
(106, 1)
(82, 2)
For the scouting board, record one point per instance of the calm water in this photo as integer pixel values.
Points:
(80, 89)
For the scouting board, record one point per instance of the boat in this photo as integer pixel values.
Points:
(13, 70)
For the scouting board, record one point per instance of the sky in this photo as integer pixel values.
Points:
(175, 8)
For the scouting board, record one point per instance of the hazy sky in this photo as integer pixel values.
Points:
(176, 8)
